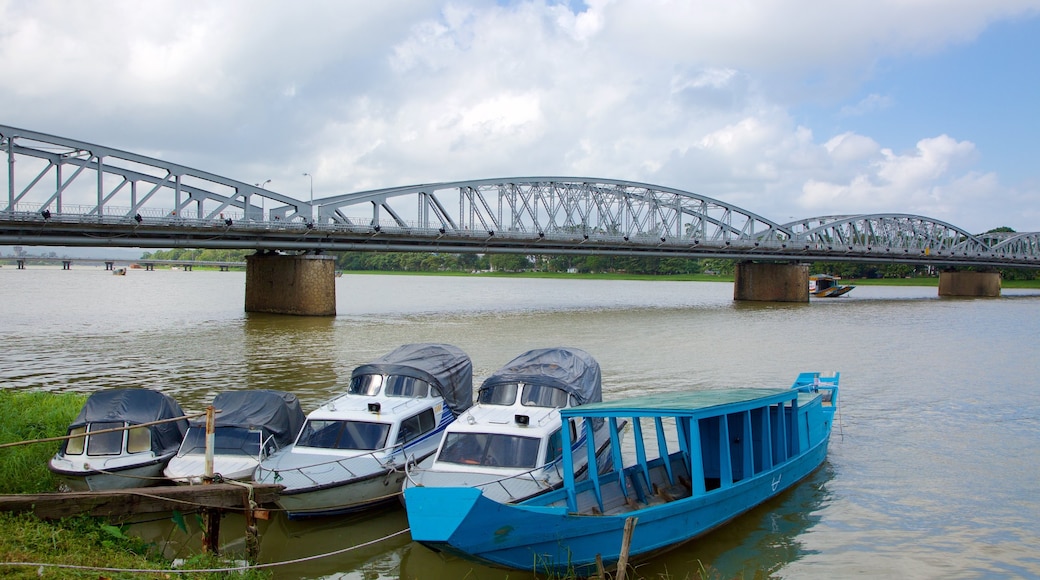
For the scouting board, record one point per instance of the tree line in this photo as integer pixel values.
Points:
(649, 266)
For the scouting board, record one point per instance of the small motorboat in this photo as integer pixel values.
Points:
(119, 272)
(351, 453)
(250, 426)
(508, 444)
(827, 286)
(122, 438)
(700, 459)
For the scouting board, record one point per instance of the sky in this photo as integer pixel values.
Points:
(788, 110)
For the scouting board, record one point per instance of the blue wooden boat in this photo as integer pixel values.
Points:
(697, 460)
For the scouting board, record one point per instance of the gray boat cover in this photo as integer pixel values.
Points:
(570, 369)
(444, 366)
(136, 406)
(278, 412)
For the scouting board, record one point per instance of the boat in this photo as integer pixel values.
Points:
(508, 444)
(351, 452)
(250, 426)
(700, 459)
(119, 272)
(122, 438)
(827, 286)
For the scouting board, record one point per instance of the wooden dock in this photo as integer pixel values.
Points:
(142, 500)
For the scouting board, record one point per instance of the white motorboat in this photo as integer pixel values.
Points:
(118, 445)
(509, 444)
(351, 452)
(249, 427)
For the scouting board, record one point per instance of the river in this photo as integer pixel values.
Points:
(931, 473)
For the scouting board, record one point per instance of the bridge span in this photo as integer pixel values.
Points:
(64, 192)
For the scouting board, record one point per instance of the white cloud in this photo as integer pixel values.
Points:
(694, 95)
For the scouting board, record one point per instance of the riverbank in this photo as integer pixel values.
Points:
(91, 546)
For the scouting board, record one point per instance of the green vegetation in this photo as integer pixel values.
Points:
(607, 267)
(81, 541)
(90, 543)
(25, 416)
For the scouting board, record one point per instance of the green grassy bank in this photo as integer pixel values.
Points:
(91, 543)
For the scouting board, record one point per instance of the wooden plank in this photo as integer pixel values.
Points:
(138, 500)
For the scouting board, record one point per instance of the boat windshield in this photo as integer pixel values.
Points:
(333, 434)
(226, 441)
(398, 386)
(532, 395)
(367, 385)
(105, 443)
(490, 450)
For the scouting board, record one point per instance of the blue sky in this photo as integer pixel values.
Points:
(986, 90)
(788, 110)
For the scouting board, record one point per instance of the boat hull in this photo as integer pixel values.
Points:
(118, 476)
(548, 539)
(342, 497)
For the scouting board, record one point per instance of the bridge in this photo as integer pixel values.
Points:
(64, 192)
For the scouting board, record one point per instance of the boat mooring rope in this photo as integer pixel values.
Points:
(207, 570)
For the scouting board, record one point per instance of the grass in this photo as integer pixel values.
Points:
(28, 415)
(80, 541)
(92, 544)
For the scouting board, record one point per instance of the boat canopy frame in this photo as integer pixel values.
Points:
(693, 412)
(446, 368)
(278, 412)
(134, 406)
(571, 370)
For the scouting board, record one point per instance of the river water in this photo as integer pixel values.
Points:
(931, 473)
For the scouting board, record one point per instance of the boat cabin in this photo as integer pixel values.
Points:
(116, 442)
(512, 427)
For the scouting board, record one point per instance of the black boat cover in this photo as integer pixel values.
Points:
(447, 368)
(570, 369)
(278, 412)
(136, 406)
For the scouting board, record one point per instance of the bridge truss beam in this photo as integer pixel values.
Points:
(66, 192)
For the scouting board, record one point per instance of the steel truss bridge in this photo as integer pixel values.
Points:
(63, 192)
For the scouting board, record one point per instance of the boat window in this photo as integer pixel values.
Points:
(367, 385)
(74, 446)
(398, 386)
(226, 441)
(138, 440)
(490, 450)
(105, 443)
(554, 449)
(504, 394)
(543, 396)
(415, 426)
(333, 434)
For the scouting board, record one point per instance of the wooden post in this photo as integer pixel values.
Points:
(626, 540)
(210, 516)
(207, 476)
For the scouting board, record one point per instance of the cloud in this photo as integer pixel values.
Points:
(693, 95)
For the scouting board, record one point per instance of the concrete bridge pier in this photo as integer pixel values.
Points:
(983, 284)
(303, 285)
(766, 282)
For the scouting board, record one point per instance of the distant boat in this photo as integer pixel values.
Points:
(119, 272)
(251, 425)
(351, 453)
(120, 459)
(700, 459)
(827, 286)
(508, 445)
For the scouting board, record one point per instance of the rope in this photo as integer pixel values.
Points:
(112, 430)
(209, 570)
